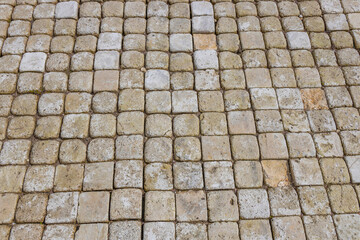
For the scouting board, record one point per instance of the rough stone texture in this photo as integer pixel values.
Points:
(179, 119)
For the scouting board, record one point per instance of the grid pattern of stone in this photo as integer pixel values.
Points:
(179, 120)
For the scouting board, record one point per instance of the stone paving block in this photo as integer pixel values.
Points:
(328, 145)
(257, 77)
(182, 81)
(232, 79)
(158, 102)
(158, 125)
(213, 124)
(273, 146)
(68, 177)
(6, 101)
(241, 122)
(253, 203)
(205, 59)
(184, 102)
(321, 120)
(188, 175)
(252, 40)
(244, 147)
(218, 175)
(347, 225)
(204, 41)
(157, 80)
(67, 10)
(93, 207)
(334, 170)
(255, 229)
(101, 149)
(223, 230)
(75, 126)
(351, 141)
(229, 60)
(129, 147)
(161, 230)
(126, 204)
(128, 174)
(181, 43)
(159, 206)
(191, 206)
(107, 60)
(158, 150)
(25, 105)
(203, 24)
(33, 231)
(248, 174)
(44, 152)
(72, 151)
(268, 121)
(338, 97)
(191, 230)
(33, 62)
(77, 102)
(314, 200)
(284, 201)
(158, 176)
(300, 145)
(106, 81)
(222, 206)
(312, 98)
(104, 102)
(21, 127)
(306, 171)
(39, 178)
(59, 231)
(186, 125)
(264, 98)
(211, 101)
(343, 199)
(125, 229)
(353, 164)
(319, 227)
(62, 207)
(103, 125)
(98, 176)
(288, 227)
(131, 99)
(92, 231)
(276, 173)
(8, 206)
(187, 149)
(215, 148)
(15, 152)
(12, 178)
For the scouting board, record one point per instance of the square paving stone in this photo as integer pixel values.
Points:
(288, 227)
(319, 227)
(159, 206)
(126, 204)
(188, 175)
(306, 171)
(284, 201)
(191, 206)
(62, 207)
(218, 175)
(222, 206)
(253, 203)
(93, 207)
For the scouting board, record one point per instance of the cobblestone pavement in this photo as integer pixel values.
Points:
(179, 120)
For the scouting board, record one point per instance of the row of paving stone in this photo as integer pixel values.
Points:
(179, 120)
